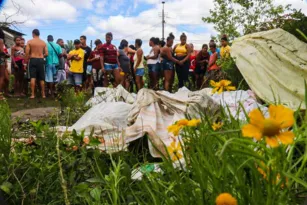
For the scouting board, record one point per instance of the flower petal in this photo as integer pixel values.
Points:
(183, 122)
(256, 118)
(212, 83)
(251, 131)
(283, 115)
(215, 90)
(286, 137)
(272, 141)
(221, 90)
(226, 82)
(229, 88)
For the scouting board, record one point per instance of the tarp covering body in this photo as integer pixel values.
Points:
(274, 64)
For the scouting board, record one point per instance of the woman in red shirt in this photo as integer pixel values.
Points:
(192, 67)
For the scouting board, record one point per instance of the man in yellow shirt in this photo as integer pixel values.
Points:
(225, 49)
(76, 57)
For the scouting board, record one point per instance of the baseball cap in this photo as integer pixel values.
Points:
(77, 41)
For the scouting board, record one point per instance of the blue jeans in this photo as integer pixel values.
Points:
(51, 73)
(109, 67)
(75, 78)
(154, 68)
(140, 72)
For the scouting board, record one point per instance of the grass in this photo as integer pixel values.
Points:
(54, 171)
(17, 104)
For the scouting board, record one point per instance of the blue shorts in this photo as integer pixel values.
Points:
(167, 65)
(51, 73)
(140, 72)
(75, 78)
(109, 67)
(89, 69)
(154, 68)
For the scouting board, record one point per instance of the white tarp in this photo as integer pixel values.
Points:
(120, 123)
(274, 64)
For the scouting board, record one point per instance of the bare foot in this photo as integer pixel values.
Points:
(32, 97)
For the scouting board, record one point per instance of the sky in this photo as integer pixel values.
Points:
(126, 19)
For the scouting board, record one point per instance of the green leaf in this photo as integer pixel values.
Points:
(96, 193)
(95, 180)
(6, 187)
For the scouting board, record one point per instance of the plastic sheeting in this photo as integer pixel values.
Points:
(274, 64)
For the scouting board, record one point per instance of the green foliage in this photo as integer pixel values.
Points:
(296, 20)
(69, 45)
(62, 169)
(233, 73)
(236, 17)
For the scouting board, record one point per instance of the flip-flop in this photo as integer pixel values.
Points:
(44, 97)
(32, 97)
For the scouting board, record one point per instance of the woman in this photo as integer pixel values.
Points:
(225, 49)
(202, 60)
(139, 68)
(168, 63)
(3, 67)
(153, 62)
(182, 53)
(192, 67)
(18, 55)
(124, 61)
(214, 72)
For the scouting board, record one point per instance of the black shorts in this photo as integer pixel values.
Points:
(37, 68)
(200, 71)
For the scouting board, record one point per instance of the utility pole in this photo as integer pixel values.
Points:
(163, 20)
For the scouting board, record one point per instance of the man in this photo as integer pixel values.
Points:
(52, 63)
(96, 66)
(87, 78)
(109, 61)
(36, 50)
(61, 76)
(76, 69)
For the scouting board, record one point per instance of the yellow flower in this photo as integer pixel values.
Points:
(175, 129)
(217, 126)
(194, 122)
(225, 199)
(175, 151)
(182, 122)
(272, 128)
(221, 86)
(86, 140)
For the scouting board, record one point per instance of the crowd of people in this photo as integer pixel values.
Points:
(44, 64)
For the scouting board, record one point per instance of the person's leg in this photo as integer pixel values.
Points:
(78, 77)
(2, 78)
(185, 73)
(117, 76)
(16, 81)
(179, 71)
(33, 85)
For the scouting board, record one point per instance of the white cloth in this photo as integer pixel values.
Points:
(274, 64)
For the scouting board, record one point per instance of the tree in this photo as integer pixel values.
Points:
(8, 20)
(69, 46)
(236, 17)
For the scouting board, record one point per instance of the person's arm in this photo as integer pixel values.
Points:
(101, 53)
(156, 53)
(139, 54)
(214, 60)
(28, 48)
(46, 50)
(12, 54)
(91, 58)
(79, 56)
(170, 56)
(131, 51)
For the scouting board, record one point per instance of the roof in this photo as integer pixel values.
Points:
(11, 31)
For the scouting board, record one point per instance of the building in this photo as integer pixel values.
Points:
(10, 34)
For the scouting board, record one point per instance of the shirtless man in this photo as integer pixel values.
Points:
(36, 50)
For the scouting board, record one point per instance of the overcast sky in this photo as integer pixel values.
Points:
(129, 19)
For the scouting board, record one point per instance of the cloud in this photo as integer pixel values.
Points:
(90, 31)
(33, 13)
